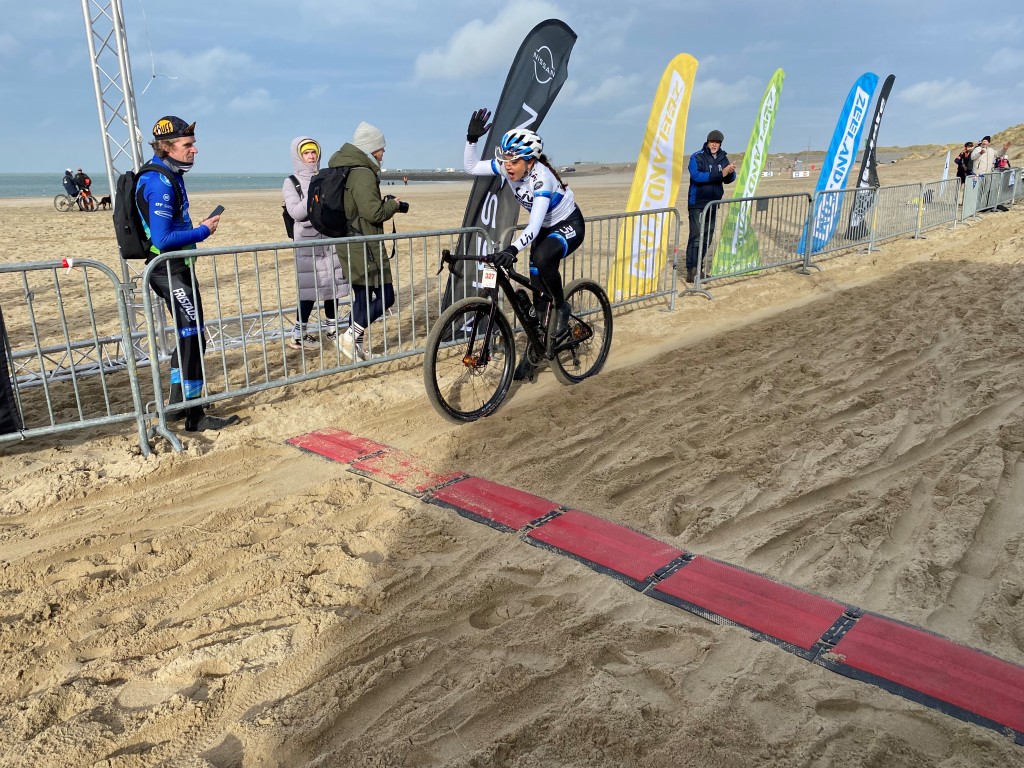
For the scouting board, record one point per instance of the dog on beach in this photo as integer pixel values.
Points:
(104, 202)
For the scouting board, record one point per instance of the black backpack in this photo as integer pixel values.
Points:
(131, 234)
(325, 202)
(289, 222)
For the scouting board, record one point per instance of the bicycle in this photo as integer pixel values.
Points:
(470, 356)
(84, 198)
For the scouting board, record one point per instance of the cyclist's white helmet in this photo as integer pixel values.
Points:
(67, 170)
(519, 143)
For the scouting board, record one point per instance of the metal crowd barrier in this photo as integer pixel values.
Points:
(631, 255)
(939, 204)
(75, 353)
(991, 190)
(785, 230)
(249, 297)
(897, 212)
(746, 235)
(58, 320)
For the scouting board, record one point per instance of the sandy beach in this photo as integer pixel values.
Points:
(857, 432)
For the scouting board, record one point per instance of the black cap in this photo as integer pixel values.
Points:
(171, 127)
(716, 135)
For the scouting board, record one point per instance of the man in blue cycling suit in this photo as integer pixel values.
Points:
(163, 206)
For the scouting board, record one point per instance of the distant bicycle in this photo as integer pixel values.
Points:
(470, 357)
(84, 200)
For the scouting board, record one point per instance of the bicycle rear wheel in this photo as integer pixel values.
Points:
(63, 203)
(466, 370)
(590, 333)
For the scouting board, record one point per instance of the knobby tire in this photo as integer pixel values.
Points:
(591, 324)
(465, 382)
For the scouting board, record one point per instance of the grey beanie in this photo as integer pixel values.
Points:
(716, 135)
(368, 138)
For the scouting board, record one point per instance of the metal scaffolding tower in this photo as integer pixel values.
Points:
(115, 94)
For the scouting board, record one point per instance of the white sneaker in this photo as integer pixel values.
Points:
(351, 348)
(306, 342)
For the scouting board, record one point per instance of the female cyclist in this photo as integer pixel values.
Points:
(556, 226)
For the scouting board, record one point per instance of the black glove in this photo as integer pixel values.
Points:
(504, 258)
(478, 125)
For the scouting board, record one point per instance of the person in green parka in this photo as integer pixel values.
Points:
(368, 269)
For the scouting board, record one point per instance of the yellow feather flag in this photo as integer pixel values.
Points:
(642, 241)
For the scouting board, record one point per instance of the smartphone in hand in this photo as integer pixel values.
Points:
(215, 212)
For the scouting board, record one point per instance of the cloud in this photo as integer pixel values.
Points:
(9, 46)
(479, 47)
(718, 94)
(255, 100)
(611, 89)
(1005, 60)
(937, 94)
(217, 68)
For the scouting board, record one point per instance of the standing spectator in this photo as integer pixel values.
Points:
(984, 156)
(69, 183)
(319, 273)
(163, 206)
(710, 169)
(368, 268)
(964, 164)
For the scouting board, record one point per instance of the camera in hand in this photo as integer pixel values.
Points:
(403, 207)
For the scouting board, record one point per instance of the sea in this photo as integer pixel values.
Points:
(49, 184)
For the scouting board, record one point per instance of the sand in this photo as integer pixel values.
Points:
(857, 432)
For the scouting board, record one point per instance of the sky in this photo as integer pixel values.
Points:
(257, 73)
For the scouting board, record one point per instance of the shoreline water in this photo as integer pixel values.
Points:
(48, 185)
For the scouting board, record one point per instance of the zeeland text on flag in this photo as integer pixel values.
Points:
(858, 228)
(537, 74)
(737, 247)
(643, 240)
(835, 170)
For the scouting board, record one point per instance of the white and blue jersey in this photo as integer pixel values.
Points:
(539, 192)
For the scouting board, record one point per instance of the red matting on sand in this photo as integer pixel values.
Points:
(403, 472)
(337, 444)
(494, 504)
(903, 659)
(936, 667)
(756, 602)
(607, 545)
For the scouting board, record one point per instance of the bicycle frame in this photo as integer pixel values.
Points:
(504, 279)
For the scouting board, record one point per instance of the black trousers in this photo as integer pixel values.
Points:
(175, 283)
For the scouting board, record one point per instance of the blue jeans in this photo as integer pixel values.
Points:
(370, 301)
(693, 241)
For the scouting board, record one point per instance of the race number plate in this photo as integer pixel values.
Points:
(488, 277)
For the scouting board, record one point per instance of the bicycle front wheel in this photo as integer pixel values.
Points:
(469, 361)
(585, 350)
(63, 203)
(89, 202)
